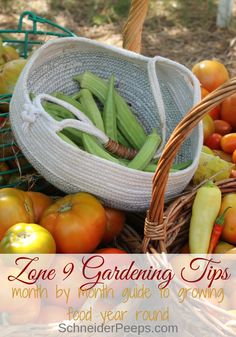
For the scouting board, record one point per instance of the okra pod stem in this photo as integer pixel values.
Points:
(92, 146)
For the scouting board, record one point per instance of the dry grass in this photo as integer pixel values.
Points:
(182, 30)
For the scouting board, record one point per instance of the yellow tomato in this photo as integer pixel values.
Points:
(27, 238)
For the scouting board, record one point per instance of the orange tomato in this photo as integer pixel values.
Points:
(15, 207)
(208, 126)
(213, 141)
(114, 224)
(233, 174)
(77, 223)
(222, 127)
(229, 231)
(110, 251)
(215, 112)
(228, 110)
(228, 143)
(211, 74)
(204, 92)
(234, 157)
(40, 203)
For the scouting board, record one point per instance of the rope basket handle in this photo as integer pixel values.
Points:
(132, 32)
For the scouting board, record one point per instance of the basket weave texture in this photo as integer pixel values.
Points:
(163, 227)
(159, 91)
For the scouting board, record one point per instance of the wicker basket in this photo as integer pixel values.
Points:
(168, 229)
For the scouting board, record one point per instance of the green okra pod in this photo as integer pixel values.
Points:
(109, 112)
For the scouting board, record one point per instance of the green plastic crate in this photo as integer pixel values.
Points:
(25, 40)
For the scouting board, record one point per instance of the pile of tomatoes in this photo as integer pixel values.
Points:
(34, 223)
(220, 123)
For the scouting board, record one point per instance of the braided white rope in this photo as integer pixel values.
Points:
(84, 124)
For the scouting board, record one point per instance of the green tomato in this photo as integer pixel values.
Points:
(27, 238)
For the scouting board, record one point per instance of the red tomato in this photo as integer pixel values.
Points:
(228, 143)
(208, 126)
(222, 127)
(215, 112)
(114, 224)
(110, 251)
(211, 74)
(228, 110)
(213, 141)
(77, 223)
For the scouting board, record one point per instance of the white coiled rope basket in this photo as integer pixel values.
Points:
(159, 91)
